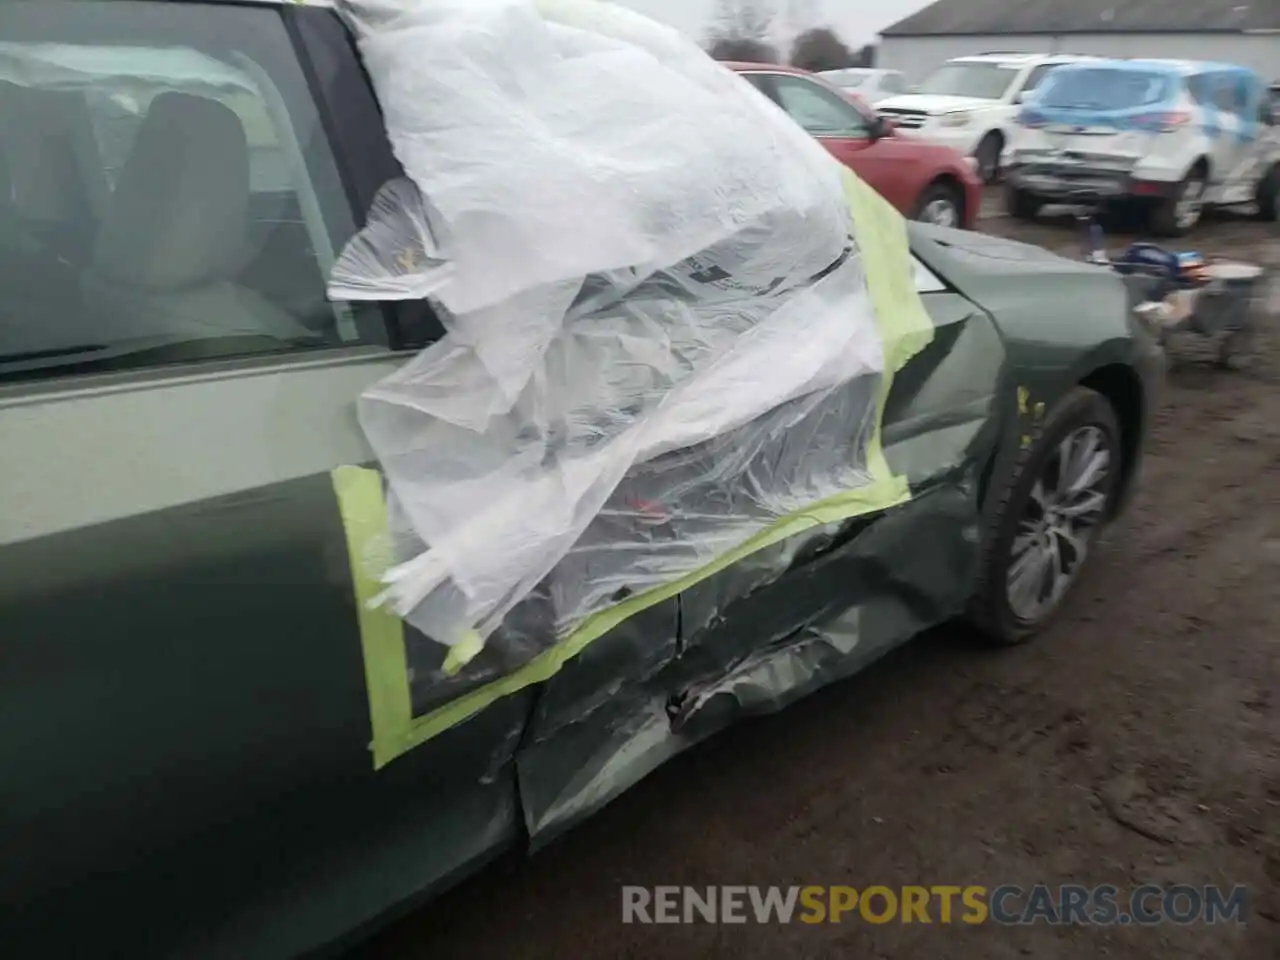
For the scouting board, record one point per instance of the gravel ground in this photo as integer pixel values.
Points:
(1138, 741)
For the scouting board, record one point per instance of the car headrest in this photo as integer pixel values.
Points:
(179, 213)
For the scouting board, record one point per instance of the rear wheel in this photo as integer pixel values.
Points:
(941, 204)
(1180, 212)
(1268, 195)
(1022, 205)
(1050, 513)
(988, 156)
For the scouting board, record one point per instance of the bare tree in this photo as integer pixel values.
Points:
(866, 56)
(818, 48)
(743, 20)
(745, 51)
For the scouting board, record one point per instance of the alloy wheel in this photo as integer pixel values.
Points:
(1065, 508)
(941, 212)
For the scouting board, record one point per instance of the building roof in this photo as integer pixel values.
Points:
(999, 17)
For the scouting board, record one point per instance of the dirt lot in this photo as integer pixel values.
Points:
(1137, 742)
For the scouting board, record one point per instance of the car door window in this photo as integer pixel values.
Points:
(168, 194)
(1034, 78)
(821, 112)
(1224, 92)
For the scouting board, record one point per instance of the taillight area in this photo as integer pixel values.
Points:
(1164, 121)
(1031, 119)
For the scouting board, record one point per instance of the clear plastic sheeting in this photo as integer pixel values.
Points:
(660, 340)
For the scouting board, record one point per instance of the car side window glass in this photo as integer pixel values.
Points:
(893, 83)
(1222, 92)
(171, 196)
(1239, 95)
(760, 81)
(1035, 76)
(821, 112)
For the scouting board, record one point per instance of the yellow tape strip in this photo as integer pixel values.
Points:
(905, 329)
(363, 508)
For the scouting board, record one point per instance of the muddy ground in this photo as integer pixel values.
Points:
(1138, 741)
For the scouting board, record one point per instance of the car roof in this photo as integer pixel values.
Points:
(1011, 58)
(746, 66)
(1161, 65)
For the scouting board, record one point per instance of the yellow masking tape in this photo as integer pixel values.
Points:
(905, 329)
(364, 519)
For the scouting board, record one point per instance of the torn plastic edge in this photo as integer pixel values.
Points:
(905, 329)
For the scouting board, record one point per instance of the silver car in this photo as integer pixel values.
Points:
(870, 84)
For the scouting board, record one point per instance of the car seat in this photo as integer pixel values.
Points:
(175, 233)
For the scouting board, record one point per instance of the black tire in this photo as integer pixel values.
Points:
(989, 610)
(1164, 215)
(1268, 196)
(1022, 204)
(940, 192)
(988, 156)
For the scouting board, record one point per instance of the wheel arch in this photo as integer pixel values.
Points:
(1121, 386)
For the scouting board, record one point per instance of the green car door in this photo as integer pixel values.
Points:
(184, 724)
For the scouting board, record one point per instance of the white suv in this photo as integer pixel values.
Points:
(969, 103)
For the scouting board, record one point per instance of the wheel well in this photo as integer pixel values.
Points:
(1201, 164)
(1122, 388)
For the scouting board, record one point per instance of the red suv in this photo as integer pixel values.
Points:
(925, 181)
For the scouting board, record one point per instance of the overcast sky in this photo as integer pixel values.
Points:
(857, 21)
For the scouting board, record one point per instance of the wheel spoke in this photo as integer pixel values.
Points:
(1091, 471)
(1082, 506)
(1077, 450)
(1025, 578)
(1050, 574)
(1077, 546)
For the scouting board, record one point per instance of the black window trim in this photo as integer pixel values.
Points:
(350, 114)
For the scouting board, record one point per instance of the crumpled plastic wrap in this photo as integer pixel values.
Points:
(660, 340)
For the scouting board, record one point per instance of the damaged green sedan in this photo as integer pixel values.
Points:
(225, 731)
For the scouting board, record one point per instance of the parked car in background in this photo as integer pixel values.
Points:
(191, 670)
(1175, 136)
(969, 103)
(869, 83)
(924, 181)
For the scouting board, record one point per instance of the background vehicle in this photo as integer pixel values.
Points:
(1173, 135)
(969, 103)
(923, 181)
(869, 83)
(186, 716)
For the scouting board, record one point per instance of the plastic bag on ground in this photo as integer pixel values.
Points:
(659, 334)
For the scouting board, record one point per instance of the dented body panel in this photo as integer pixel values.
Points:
(185, 724)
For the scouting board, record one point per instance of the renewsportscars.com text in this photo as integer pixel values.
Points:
(1007, 904)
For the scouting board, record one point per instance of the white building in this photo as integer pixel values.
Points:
(1244, 32)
